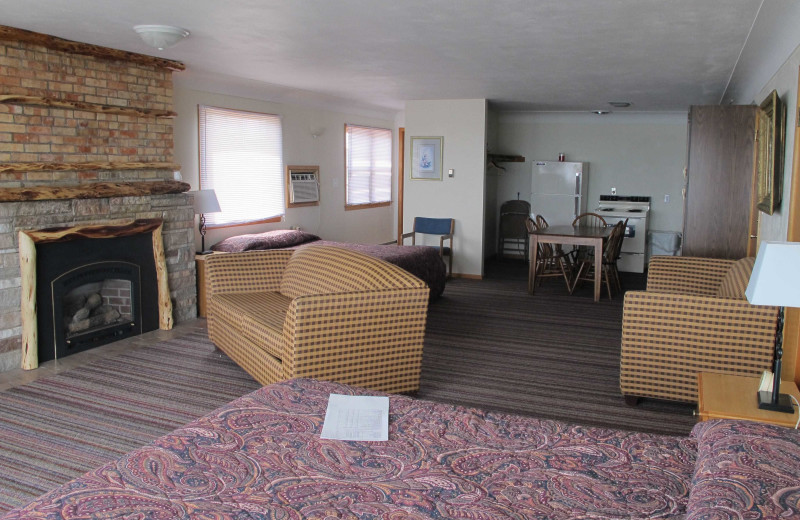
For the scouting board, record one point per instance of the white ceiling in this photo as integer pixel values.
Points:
(544, 55)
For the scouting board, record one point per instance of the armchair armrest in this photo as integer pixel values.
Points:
(411, 235)
(668, 338)
(364, 338)
(686, 274)
(250, 271)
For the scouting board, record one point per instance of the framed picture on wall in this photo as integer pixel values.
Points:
(426, 158)
(770, 137)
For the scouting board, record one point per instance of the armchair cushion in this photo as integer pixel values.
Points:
(735, 282)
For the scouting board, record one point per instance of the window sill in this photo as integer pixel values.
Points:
(239, 224)
(351, 207)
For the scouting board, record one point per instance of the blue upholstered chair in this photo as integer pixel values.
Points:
(443, 228)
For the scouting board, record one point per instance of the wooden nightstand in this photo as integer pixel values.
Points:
(200, 267)
(723, 396)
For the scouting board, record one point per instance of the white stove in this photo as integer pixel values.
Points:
(635, 208)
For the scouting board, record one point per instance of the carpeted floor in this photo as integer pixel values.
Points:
(59, 427)
(488, 344)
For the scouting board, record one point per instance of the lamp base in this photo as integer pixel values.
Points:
(204, 252)
(784, 404)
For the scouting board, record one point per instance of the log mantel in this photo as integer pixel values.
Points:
(96, 190)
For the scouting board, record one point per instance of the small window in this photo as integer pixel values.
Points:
(241, 159)
(368, 153)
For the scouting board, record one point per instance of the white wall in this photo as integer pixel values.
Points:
(638, 154)
(462, 124)
(328, 220)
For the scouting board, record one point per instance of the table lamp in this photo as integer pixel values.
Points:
(776, 281)
(205, 201)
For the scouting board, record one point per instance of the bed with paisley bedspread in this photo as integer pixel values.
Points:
(261, 457)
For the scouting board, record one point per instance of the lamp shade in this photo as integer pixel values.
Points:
(205, 201)
(776, 277)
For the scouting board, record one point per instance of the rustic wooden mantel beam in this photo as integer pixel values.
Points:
(86, 49)
(85, 166)
(42, 101)
(96, 190)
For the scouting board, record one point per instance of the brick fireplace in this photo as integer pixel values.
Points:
(86, 138)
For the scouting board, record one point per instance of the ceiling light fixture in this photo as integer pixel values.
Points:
(620, 104)
(600, 112)
(160, 36)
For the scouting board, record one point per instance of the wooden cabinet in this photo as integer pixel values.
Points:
(725, 396)
(719, 211)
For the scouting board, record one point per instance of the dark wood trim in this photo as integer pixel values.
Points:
(84, 166)
(43, 101)
(86, 49)
(401, 178)
(96, 190)
(351, 207)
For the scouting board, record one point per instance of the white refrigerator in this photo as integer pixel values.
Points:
(559, 190)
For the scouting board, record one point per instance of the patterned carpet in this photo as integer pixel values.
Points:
(489, 344)
(59, 427)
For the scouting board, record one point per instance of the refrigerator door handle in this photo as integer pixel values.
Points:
(577, 206)
(577, 183)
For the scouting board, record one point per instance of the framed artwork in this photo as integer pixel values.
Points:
(770, 137)
(426, 158)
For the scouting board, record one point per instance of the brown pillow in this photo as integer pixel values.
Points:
(277, 239)
(735, 282)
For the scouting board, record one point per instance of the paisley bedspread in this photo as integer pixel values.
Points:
(261, 457)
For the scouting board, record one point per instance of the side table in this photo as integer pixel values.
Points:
(724, 396)
(200, 268)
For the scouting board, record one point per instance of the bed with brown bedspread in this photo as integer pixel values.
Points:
(261, 457)
(423, 262)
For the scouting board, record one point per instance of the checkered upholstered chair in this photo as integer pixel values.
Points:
(320, 312)
(692, 318)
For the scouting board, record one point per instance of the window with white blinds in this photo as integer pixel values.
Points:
(241, 159)
(368, 173)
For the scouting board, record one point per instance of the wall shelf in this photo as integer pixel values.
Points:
(94, 190)
(40, 101)
(24, 167)
(498, 158)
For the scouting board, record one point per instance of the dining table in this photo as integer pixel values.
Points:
(569, 235)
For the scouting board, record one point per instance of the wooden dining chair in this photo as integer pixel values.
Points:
(589, 220)
(611, 252)
(551, 261)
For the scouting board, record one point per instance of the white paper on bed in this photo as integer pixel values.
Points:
(356, 418)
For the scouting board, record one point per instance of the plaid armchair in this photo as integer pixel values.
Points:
(692, 318)
(319, 312)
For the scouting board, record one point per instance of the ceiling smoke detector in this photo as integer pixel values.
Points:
(160, 36)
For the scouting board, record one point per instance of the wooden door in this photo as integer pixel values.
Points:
(719, 196)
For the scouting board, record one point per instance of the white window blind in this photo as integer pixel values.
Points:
(241, 159)
(369, 165)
